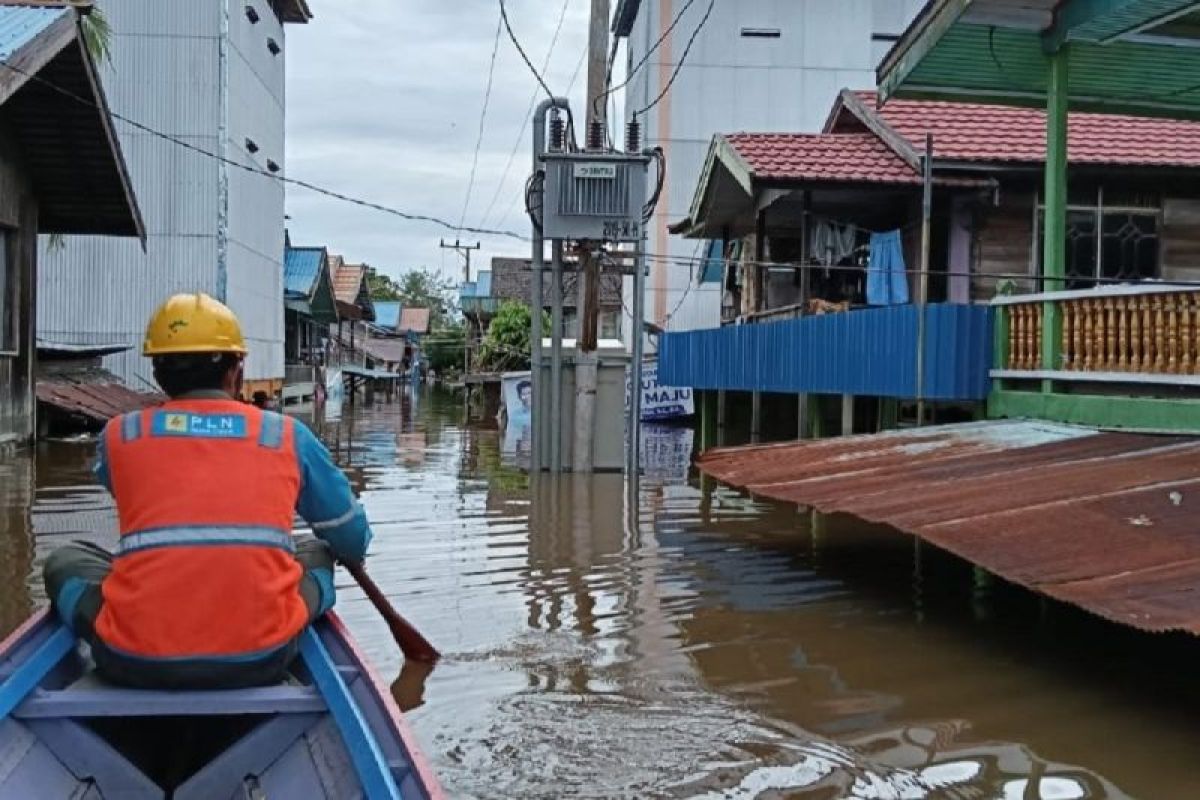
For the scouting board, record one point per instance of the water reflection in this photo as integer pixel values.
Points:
(696, 643)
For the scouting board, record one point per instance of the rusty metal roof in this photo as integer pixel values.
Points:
(1106, 521)
(97, 402)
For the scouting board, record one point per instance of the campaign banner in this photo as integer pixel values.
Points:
(660, 402)
(517, 396)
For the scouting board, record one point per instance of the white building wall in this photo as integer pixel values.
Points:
(256, 203)
(165, 74)
(733, 83)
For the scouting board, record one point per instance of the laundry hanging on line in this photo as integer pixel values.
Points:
(887, 278)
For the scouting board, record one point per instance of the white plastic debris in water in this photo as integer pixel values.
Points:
(1141, 521)
(1176, 498)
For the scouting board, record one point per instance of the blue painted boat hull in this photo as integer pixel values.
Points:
(331, 731)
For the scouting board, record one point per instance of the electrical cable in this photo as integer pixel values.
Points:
(521, 50)
(487, 98)
(262, 172)
(562, 15)
(682, 60)
(610, 90)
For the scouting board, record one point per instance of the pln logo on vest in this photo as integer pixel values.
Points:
(204, 426)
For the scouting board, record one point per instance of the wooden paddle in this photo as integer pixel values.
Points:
(415, 646)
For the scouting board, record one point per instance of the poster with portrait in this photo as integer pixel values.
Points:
(517, 395)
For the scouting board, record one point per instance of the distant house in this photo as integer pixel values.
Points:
(310, 306)
(511, 280)
(354, 305)
(61, 171)
(396, 335)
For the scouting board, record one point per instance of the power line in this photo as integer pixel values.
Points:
(487, 98)
(653, 49)
(562, 15)
(520, 195)
(521, 51)
(262, 172)
(682, 60)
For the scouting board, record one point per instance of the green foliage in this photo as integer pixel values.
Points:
(418, 288)
(445, 348)
(506, 345)
(97, 36)
(424, 288)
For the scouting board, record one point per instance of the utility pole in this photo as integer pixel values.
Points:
(586, 362)
(463, 250)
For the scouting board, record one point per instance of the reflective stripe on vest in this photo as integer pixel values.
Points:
(131, 426)
(206, 536)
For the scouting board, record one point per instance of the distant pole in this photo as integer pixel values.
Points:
(923, 284)
(463, 250)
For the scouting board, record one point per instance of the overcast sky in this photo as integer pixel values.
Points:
(384, 100)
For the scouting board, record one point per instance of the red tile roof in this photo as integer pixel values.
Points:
(841, 157)
(992, 133)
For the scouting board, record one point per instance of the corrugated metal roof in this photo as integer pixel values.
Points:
(301, 269)
(391, 351)
(20, 24)
(1105, 521)
(387, 313)
(97, 402)
(68, 147)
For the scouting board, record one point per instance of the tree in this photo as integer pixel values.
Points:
(382, 287)
(424, 288)
(506, 345)
(446, 348)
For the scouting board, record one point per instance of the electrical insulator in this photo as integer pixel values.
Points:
(558, 134)
(633, 137)
(595, 141)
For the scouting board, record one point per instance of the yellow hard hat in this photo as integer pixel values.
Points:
(193, 323)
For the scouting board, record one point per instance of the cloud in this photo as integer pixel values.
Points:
(384, 99)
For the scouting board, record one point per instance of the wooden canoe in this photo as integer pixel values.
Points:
(331, 731)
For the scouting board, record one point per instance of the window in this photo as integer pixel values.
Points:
(251, 14)
(713, 268)
(1108, 243)
(9, 313)
(274, 47)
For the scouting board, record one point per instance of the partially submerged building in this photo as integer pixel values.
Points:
(797, 224)
(202, 87)
(1080, 485)
(61, 172)
(310, 309)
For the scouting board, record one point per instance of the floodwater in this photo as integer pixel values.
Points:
(704, 645)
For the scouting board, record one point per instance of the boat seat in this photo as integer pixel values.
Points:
(91, 696)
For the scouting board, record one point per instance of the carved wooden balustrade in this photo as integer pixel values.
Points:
(1146, 331)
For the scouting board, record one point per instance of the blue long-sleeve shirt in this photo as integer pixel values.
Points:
(327, 502)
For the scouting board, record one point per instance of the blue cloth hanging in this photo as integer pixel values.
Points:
(887, 281)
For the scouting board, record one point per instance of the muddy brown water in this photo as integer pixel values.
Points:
(701, 644)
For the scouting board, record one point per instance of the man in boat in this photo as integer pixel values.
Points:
(209, 588)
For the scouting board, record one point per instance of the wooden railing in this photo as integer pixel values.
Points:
(1140, 330)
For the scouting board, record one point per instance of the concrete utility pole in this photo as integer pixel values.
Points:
(463, 250)
(586, 362)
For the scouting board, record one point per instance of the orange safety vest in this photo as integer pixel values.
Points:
(206, 493)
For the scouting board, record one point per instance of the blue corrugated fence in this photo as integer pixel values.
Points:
(870, 352)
